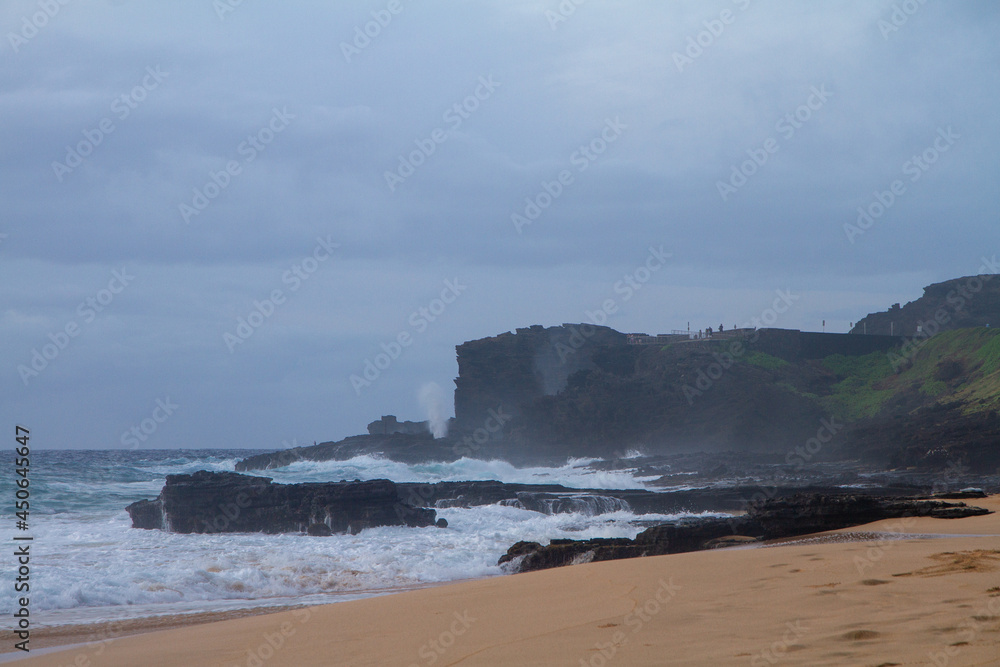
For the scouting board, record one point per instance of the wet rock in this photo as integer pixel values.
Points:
(801, 514)
(226, 502)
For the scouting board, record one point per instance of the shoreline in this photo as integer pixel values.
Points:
(87, 634)
(859, 596)
(72, 635)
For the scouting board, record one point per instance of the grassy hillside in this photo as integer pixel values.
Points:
(960, 365)
(939, 411)
(758, 394)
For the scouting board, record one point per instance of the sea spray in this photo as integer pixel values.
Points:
(96, 567)
(433, 400)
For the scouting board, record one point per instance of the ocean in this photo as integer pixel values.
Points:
(89, 565)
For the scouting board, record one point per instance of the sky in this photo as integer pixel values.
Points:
(217, 216)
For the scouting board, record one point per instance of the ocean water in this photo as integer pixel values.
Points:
(88, 564)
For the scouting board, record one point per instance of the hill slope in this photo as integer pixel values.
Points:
(973, 301)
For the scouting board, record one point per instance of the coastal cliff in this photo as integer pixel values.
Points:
(973, 301)
(927, 399)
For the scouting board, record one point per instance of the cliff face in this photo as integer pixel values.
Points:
(895, 401)
(578, 390)
(973, 301)
(513, 369)
(544, 394)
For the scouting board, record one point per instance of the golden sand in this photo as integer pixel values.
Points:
(880, 601)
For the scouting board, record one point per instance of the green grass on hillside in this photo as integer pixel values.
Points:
(860, 393)
(763, 360)
(868, 381)
(990, 354)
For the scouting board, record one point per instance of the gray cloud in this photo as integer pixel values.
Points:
(324, 176)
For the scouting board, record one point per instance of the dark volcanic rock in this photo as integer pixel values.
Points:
(545, 498)
(402, 447)
(781, 517)
(147, 514)
(935, 437)
(973, 301)
(226, 502)
(557, 499)
(656, 541)
(513, 369)
(803, 514)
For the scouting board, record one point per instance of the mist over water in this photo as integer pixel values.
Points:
(435, 403)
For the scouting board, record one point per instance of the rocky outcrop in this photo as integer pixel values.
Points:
(973, 301)
(803, 514)
(558, 499)
(514, 369)
(225, 502)
(388, 425)
(768, 519)
(542, 395)
(943, 437)
(402, 447)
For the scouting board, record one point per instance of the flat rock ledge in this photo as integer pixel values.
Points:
(764, 520)
(227, 502)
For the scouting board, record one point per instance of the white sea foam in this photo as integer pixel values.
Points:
(574, 473)
(89, 564)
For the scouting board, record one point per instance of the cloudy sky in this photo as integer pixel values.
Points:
(214, 215)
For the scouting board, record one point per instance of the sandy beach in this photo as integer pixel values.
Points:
(860, 596)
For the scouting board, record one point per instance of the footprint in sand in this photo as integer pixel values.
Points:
(980, 560)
